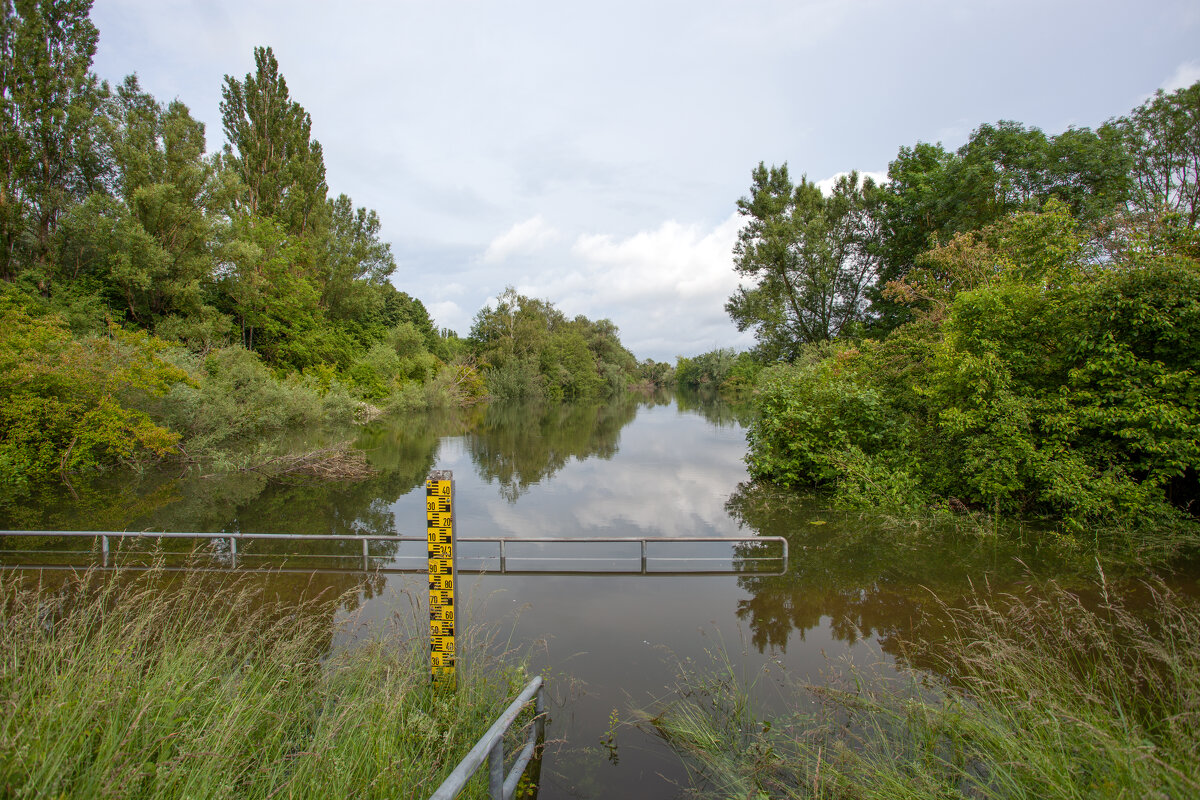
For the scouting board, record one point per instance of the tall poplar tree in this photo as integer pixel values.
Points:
(48, 124)
(270, 146)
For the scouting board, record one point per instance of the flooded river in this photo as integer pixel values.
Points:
(611, 645)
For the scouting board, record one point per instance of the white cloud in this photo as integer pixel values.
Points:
(1185, 75)
(826, 185)
(674, 260)
(665, 288)
(448, 314)
(524, 237)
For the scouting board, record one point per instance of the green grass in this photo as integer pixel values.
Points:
(1033, 696)
(136, 687)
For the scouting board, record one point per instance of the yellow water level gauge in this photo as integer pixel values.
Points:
(439, 534)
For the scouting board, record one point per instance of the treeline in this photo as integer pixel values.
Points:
(724, 368)
(113, 210)
(156, 299)
(531, 350)
(1012, 327)
(159, 300)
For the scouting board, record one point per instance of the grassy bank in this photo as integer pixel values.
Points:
(123, 688)
(1034, 697)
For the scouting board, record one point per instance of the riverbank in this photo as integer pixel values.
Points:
(121, 686)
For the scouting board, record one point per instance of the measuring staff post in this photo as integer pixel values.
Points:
(439, 534)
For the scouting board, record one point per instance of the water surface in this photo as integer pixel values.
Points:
(855, 589)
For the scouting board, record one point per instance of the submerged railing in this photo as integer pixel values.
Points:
(491, 747)
(641, 558)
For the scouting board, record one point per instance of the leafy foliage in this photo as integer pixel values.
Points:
(1049, 385)
(529, 349)
(68, 404)
(1038, 296)
(810, 260)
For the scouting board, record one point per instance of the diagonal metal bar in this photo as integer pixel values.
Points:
(491, 747)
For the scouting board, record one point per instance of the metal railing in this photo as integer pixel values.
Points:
(643, 557)
(644, 543)
(491, 747)
(232, 538)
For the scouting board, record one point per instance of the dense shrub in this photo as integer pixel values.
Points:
(1043, 383)
(235, 398)
(516, 379)
(70, 404)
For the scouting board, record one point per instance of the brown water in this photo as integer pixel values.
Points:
(856, 586)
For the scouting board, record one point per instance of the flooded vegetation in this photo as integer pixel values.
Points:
(869, 597)
(973, 424)
(145, 686)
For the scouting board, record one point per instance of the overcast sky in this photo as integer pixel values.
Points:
(591, 153)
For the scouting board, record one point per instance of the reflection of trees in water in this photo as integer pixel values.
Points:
(721, 410)
(519, 445)
(402, 452)
(869, 579)
(103, 502)
(656, 398)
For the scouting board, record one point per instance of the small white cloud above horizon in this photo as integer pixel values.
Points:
(446, 314)
(524, 237)
(1184, 76)
(665, 287)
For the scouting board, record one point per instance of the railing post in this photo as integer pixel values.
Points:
(366, 562)
(233, 549)
(496, 770)
(104, 549)
(643, 556)
(539, 709)
(501, 556)
(490, 748)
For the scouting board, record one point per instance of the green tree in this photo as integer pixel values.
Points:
(355, 263)
(517, 328)
(530, 349)
(48, 125)
(569, 367)
(933, 195)
(148, 245)
(263, 276)
(810, 260)
(1163, 137)
(282, 170)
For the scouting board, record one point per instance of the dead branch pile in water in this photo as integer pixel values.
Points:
(341, 462)
(365, 412)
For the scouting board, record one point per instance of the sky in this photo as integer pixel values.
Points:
(592, 153)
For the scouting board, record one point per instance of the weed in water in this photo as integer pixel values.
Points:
(1039, 695)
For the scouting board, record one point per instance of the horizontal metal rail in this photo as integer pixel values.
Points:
(491, 747)
(284, 570)
(504, 543)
